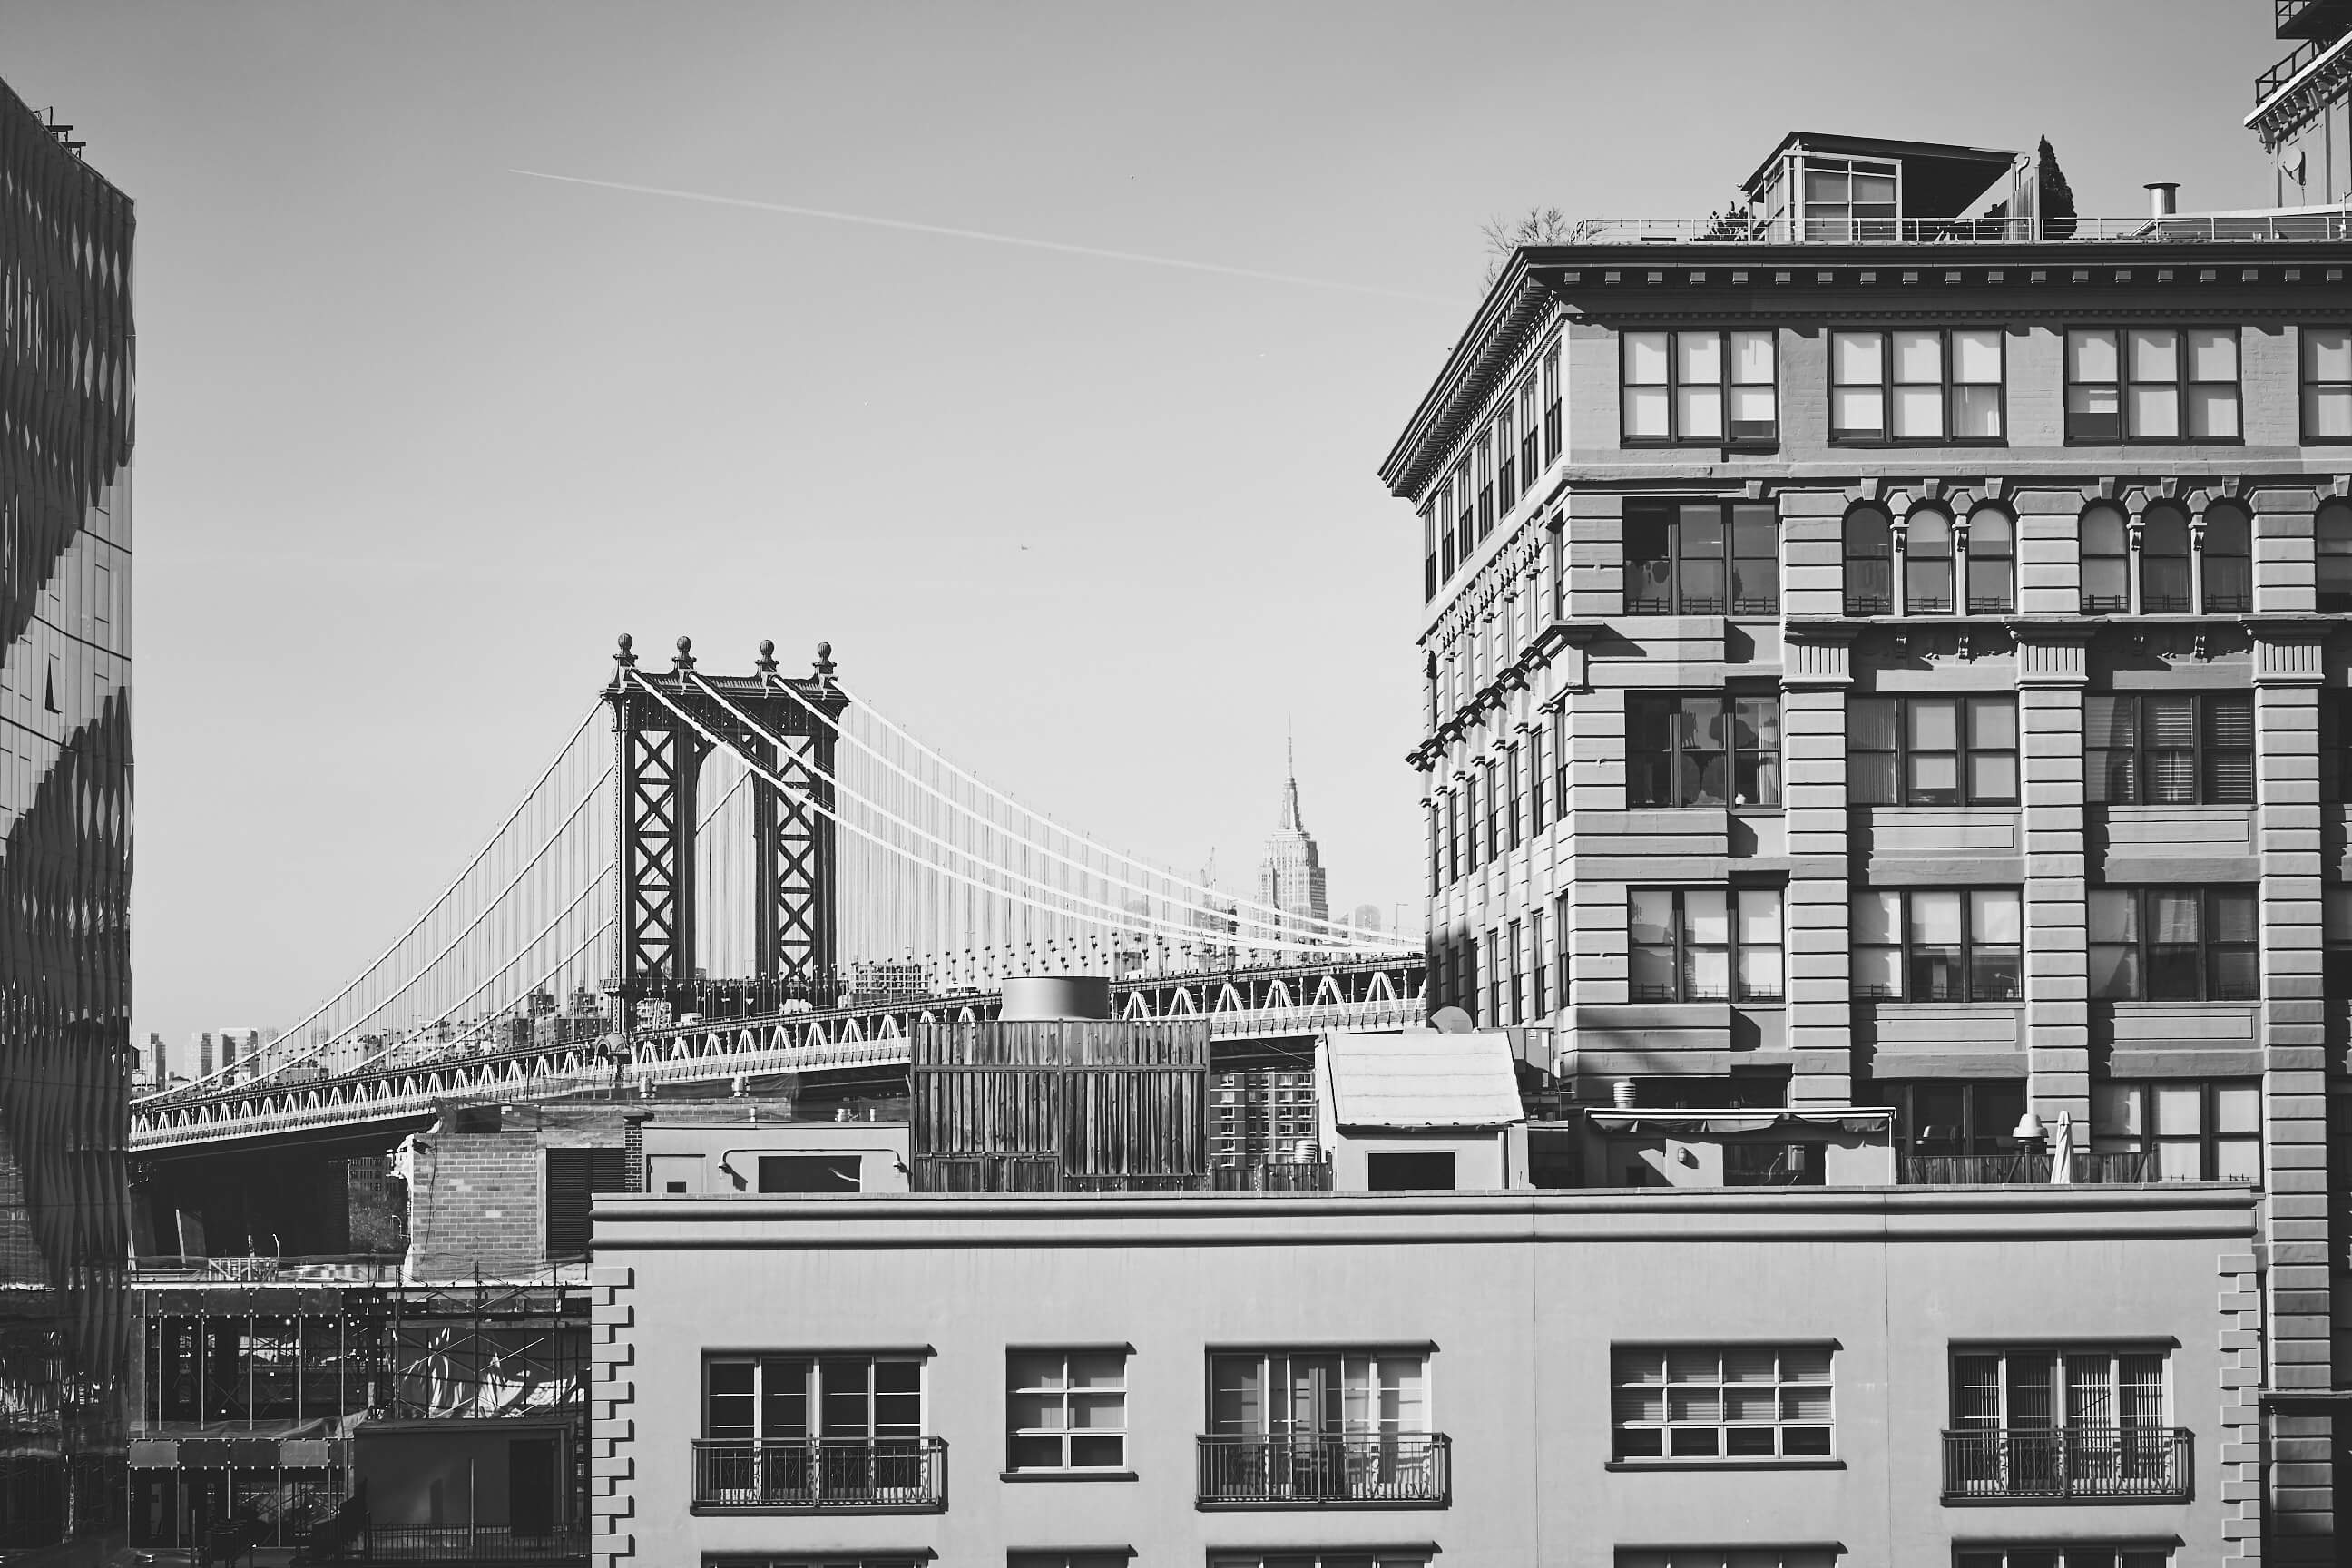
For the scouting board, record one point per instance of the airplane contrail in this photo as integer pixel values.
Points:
(1066, 248)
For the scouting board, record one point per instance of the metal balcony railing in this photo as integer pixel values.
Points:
(1396, 1469)
(471, 1543)
(2082, 1462)
(2030, 1167)
(845, 1474)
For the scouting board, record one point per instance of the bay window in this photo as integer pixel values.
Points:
(2175, 944)
(1938, 944)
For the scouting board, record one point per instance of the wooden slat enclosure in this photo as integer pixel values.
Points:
(1031, 1107)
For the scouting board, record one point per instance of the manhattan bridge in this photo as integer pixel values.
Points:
(723, 879)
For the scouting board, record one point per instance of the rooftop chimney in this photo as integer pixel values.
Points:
(2163, 198)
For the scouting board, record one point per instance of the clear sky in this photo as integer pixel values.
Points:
(417, 436)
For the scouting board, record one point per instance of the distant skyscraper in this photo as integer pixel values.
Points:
(1290, 877)
(1218, 920)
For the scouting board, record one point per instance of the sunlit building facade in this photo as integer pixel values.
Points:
(65, 1051)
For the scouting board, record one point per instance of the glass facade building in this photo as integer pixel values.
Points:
(65, 827)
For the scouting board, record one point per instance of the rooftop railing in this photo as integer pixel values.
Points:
(1742, 230)
(2022, 1167)
(471, 1543)
(1372, 1469)
(2063, 1463)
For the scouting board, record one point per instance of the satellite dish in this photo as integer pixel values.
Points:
(2292, 164)
(1451, 1021)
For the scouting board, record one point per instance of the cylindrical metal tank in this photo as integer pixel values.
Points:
(1034, 998)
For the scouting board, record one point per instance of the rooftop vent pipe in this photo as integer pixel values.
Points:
(2163, 198)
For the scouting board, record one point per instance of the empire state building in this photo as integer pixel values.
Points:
(1290, 877)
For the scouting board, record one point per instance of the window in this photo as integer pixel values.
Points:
(1915, 386)
(1337, 1557)
(1728, 1557)
(1551, 405)
(1931, 750)
(2326, 384)
(2333, 529)
(1563, 922)
(1850, 200)
(2151, 383)
(1561, 799)
(1494, 810)
(1702, 558)
(1929, 565)
(1332, 1426)
(828, 1560)
(1732, 1402)
(1703, 751)
(1514, 942)
(1429, 578)
(2175, 944)
(1704, 944)
(1535, 970)
(1699, 387)
(1485, 457)
(1869, 562)
(1528, 464)
(1938, 944)
(2107, 562)
(2228, 559)
(1536, 779)
(816, 1431)
(1466, 513)
(810, 1174)
(1497, 961)
(2168, 751)
(1065, 1409)
(1471, 817)
(2187, 1131)
(1507, 456)
(1452, 835)
(1107, 1557)
(1968, 1117)
(2164, 562)
(2011, 1390)
(1511, 776)
(1992, 562)
(2062, 1554)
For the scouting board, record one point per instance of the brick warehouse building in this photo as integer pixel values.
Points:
(1890, 649)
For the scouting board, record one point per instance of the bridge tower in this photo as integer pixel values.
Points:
(659, 758)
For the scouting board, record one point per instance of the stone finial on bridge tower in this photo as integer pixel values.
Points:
(766, 663)
(624, 659)
(823, 664)
(683, 661)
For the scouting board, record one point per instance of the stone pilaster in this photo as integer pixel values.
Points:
(2240, 1439)
(2287, 673)
(611, 1424)
(2051, 668)
(1815, 677)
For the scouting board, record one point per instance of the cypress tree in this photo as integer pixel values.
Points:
(2057, 198)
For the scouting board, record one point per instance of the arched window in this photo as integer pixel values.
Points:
(2333, 527)
(1992, 562)
(1869, 562)
(2107, 563)
(2228, 559)
(2164, 562)
(1927, 564)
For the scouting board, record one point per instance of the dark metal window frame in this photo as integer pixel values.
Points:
(1552, 432)
(1888, 385)
(1667, 514)
(1507, 452)
(1673, 384)
(1860, 606)
(1962, 753)
(1483, 456)
(2307, 383)
(2126, 435)
(2202, 750)
(1679, 947)
(1430, 579)
(1710, 1441)
(2202, 555)
(2207, 947)
(2336, 601)
(1064, 1435)
(1964, 951)
(1732, 753)
(2151, 1139)
(1511, 818)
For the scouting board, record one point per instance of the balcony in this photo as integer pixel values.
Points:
(2067, 1464)
(820, 1475)
(2020, 1167)
(1399, 1469)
